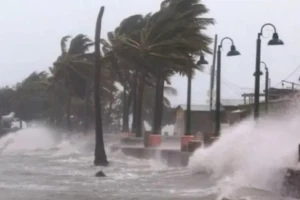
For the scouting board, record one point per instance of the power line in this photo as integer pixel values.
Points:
(291, 74)
(237, 86)
(229, 88)
(243, 88)
(229, 82)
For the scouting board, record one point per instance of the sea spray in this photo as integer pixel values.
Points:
(74, 144)
(252, 154)
(41, 137)
(28, 139)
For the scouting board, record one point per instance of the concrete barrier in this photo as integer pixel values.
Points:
(127, 134)
(132, 141)
(166, 141)
(185, 142)
(172, 158)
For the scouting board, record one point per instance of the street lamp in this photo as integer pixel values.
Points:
(274, 41)
(266, 87)
(232, 52)
(201, 61)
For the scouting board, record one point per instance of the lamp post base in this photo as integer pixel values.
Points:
(153, 140)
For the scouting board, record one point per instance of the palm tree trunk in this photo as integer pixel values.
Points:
(139, 115)
(134, 106)
(68, 112)
(100, 155)
(86, 105)
(161, 104)
(125, 120)
(129, 103)
(53, 109)
(155, 122)
(188, 109)
(109, 115)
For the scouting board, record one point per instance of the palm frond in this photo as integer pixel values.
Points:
(170, 91)
(79, 44)
(63, 44)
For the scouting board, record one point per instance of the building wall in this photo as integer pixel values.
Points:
(201, 121)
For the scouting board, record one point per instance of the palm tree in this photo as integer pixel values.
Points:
(126, 69)
(100, 155)
(159, 42)
(72, 69)
(149, 104)
(163, 75)
(168, 39)
(191, 10)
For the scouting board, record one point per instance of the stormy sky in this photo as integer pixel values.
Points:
(31, 31)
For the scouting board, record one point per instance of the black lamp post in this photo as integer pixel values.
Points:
(232, 52)
(266, 87)
(274, 41)
(202, 61)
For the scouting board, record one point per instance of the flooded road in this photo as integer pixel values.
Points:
(65, 171)
(36, 164)
(42, 176)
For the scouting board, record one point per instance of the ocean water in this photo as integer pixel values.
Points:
(249, 161)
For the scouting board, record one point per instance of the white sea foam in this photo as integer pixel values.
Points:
(252, 154)
(40, 139)
(28, 139)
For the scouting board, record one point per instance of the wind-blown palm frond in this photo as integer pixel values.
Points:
(172, 34)
(72, 67)
(63, 44)
(170, 91)
(79, 45)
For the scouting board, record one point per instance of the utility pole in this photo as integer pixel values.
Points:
(212, 74)
(212, 82)
(267, 90)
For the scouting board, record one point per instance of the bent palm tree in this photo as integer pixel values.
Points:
(159, 42)
(100, 155)
(71, 69)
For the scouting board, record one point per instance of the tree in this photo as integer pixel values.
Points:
(7, 100)
(31, 99)
(161, 42)
(142, 53)
(73, 70)
(100, 155)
